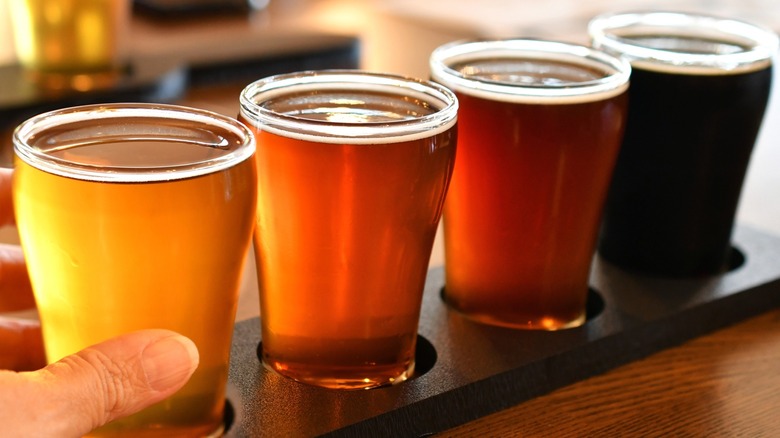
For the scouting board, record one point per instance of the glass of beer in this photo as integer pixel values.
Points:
(699, 88)
(354, 167)
(540, 124)
(79, 44)
(136, 216)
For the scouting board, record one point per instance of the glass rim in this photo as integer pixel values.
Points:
(120, 114)
(322, 131)
(761, 43)
(615, 81)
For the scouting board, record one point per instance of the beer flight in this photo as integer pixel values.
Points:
(534, 155)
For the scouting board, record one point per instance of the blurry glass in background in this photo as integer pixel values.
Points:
(77, 44)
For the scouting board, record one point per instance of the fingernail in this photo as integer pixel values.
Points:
(169, 362)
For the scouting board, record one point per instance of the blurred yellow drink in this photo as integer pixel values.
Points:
(70, 36)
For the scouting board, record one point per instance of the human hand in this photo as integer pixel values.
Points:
(21, 347)
(81, 392)
(99, 384)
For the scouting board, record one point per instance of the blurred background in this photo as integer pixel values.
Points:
(188, 51)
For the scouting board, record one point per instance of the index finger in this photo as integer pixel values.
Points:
(6, 203)
(15, 288)
(21, 345)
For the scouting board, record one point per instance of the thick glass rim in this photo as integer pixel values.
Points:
(117, 123)
(615, 81)
(608, 32)
(323, 131)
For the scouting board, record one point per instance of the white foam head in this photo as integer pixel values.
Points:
(348, 107)
(683, 43)
(532, 71)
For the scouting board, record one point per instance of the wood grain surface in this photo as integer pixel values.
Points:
(725, 384)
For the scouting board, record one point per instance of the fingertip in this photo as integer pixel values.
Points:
(15, 289)
(118, 377)
(6, 203)
(169, 362)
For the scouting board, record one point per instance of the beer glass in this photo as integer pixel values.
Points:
(136, 216)
(699, 88)
(354, 169)
(539, 129)
(77, 44)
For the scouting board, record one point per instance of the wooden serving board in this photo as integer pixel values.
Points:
(468, 370)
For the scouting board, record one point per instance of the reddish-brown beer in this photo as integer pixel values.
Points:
(523, 210)
(345, 230)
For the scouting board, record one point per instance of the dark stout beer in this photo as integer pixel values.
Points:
(679, 176)
(695, 109)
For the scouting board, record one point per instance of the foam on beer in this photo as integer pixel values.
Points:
(675, 43)
(344, 108)
(529, 71)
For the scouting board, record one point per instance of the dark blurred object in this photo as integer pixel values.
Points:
(167, 77)
(142, 80)
(304, 52)
(171, 8)
(162, 79)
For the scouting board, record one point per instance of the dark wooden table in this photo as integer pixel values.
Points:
(724, 384)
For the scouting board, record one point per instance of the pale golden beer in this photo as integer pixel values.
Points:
(70, 37)
(354, 170)
(121, 235)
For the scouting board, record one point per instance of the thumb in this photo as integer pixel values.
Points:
(101, 383)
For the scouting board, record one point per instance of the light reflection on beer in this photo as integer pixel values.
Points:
(347, 216)
(540, 125)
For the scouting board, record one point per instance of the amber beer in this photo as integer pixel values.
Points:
(70, 36)
(540, 125)
(699, 89)
(353, 169)
(124, 234)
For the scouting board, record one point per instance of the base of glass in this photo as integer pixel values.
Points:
(520, 320)
(545, 323)
(157, 432)
(344, 379)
